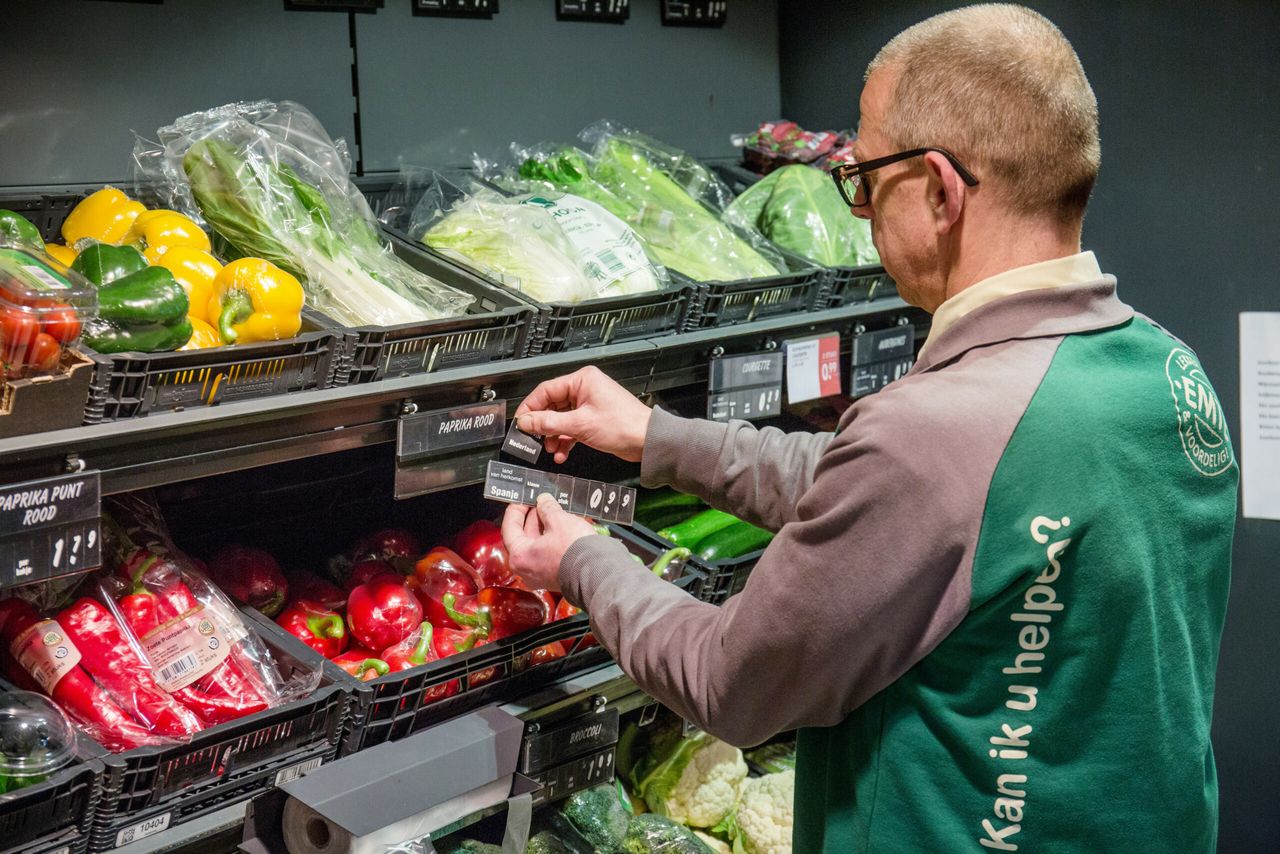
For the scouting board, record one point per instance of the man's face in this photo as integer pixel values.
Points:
(901, 225)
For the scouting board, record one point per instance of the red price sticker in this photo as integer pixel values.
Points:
(813, 368)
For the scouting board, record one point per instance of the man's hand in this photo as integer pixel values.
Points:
(538, 537)
(586, 406)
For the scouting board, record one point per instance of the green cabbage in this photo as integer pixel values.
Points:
(799, 208)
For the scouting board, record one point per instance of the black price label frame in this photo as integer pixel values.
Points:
(595, 11)
(454, 8)
(879, 357)
(50, 528)
(599, 500)
(441, 431)
(745, 386)
(694, 13)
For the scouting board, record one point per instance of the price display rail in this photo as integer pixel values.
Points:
(173, 447)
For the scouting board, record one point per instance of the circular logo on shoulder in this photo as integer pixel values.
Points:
(1202, 425)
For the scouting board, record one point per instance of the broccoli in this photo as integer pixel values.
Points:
(655, 834)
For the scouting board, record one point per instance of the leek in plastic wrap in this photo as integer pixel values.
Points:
(273, 185)
(799, 208)
(670, 200)
(553, 246)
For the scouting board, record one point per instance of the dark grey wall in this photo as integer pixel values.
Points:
(1184, 214)
(83, 74)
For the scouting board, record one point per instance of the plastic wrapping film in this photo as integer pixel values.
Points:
(550, 245)
(183, 627)
(272, 184)
(799, 208)
(671, 201)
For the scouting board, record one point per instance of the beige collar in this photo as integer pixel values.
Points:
(1071, 270)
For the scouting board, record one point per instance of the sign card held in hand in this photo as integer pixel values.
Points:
(813, 368)
(607, 502)
(522, 445)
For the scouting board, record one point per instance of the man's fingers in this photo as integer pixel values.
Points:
(549, 395)
(533, 526)
(513, 522)
(548, 422)
(549, 510)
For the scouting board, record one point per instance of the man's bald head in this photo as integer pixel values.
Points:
(1001, 88)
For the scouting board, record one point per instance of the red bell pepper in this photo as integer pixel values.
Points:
(109, 657)
(548, 598)
(386, 544)
(382, 612)
(439, 572)
(76, 692)
(251, 577)
(316, 626)
(366, 570)
(480, 544)
(306, 585)
(416, 649)
(547, 653)
(223, 694)
(362, 664)
(497, 612)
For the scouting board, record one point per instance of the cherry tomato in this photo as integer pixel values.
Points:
(45, 353)
(62, 323)
(17, 330)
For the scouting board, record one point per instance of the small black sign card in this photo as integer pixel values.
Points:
(427, 433)
(50, 528)
(605, 502)
(745, 386)
(522, 445)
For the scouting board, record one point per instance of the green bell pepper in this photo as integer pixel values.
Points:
(106, 337)
(15, 226)
(151, 295)
(102, 263)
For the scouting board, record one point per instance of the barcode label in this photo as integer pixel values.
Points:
(179, 668)
(143, 829)
(44, 277)
(286, 775)
(612, 261)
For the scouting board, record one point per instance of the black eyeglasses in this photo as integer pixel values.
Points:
(856, 191)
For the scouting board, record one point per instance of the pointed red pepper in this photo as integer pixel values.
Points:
(76, 692)
(497, 612)
(442, 571)
(382, 612)
(251, 577)
(113, 663)
(316, 626)
(307, 585)
(363, 664)
(480, 544)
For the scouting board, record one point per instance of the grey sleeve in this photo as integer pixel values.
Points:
(757, 475)
(874, 571)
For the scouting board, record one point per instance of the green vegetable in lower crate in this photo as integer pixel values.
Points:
(693, 530)
(773, 758)
(656, 834)
(145, 311)
(599, 815)
(17, 228)
(761, 823)
(799, 208)
(102, 263)
(651, 503)
(546, 842)
(693, 780)
(736, 540)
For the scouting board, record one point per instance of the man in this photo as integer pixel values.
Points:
(993, 605)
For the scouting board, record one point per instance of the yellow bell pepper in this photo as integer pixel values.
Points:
(105, 216)
(64, 254)
(202, 336)
(254, 300)
(194, 269)
(162, 230)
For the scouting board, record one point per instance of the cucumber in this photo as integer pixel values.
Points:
(652, 499)
(697, 528)
(667, 518)
(733, 541)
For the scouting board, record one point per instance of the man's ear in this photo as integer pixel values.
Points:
(946, 191)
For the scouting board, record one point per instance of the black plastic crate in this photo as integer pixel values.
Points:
(561, 326)
(148, 789)
(730, 303)
(131, 385)
(53, 816)
(724, 578)
(846, 285)
(394, 706)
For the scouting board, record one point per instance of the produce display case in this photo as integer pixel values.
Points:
(149, 789)
(131, 385)
(564, 326)
(53, 816)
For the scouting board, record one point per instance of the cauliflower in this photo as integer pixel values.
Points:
(698, 784)
(714, 844)
(762, 821)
